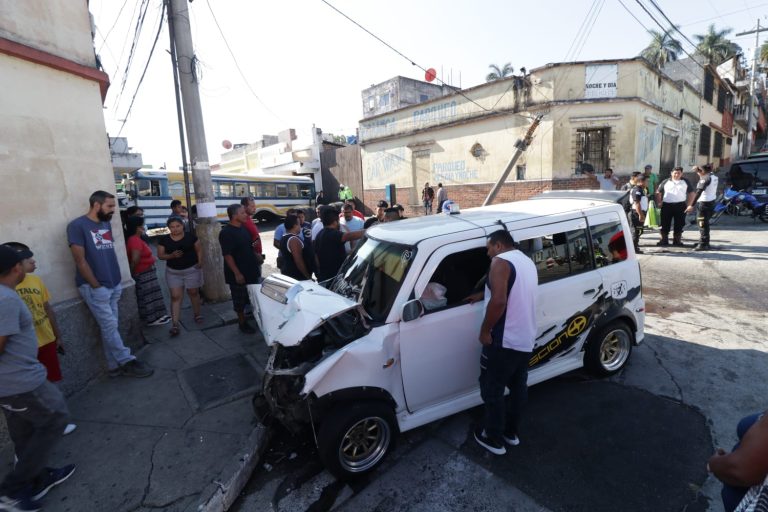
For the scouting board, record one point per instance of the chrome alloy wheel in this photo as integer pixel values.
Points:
(615, 349)
(364, 444)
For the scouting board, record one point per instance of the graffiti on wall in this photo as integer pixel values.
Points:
(455, 171)
(434, 114)
(383, 166)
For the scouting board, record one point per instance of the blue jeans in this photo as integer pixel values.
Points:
(502, 368)
(102, 302)
(732, 495)
(35, 422)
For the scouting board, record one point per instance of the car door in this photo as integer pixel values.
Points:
(569, 287)
(440, 351)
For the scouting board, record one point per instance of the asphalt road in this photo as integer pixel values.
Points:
(636, 442)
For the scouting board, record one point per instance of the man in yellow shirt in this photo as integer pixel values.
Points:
(35, 295)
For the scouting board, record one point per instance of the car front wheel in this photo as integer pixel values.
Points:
(355, 438)
(609, 351)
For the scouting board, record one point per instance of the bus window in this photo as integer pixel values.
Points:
(305, 190)
(241, 189)
(293, 190)
(225, 189)
(265, 190)
(176, 189)
(149, 188)
(282, 190)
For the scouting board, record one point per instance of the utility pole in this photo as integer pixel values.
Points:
(207, 226)
(748, 142)
(520, 146)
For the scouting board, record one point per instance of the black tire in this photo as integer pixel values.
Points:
(265, 216)
(369, 427)
(608, 351)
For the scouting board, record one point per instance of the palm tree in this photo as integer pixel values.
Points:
(497, 73)
(663, 48)
(714, 46)
(764, 53)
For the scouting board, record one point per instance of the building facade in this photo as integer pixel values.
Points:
(622, 114)
(54, 152)
(400, 92)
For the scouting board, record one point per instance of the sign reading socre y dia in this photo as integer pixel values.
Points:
(600, 81)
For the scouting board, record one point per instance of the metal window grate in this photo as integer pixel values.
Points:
(593, 147)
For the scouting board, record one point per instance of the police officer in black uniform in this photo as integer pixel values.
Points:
(706, 193)
(638, 201)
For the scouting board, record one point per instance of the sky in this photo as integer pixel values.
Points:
(301, 63)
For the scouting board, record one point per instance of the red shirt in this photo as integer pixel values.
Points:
(254, 231)
(135, 243)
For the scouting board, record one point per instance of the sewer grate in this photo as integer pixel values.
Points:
(220, 381)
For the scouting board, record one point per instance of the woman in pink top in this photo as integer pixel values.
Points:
(142, 263)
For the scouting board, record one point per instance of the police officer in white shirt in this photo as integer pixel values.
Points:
(706, 193)
(673, 194)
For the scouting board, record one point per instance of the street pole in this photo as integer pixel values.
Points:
(179, 114)
(748, 142)
(520, 146)
(207, 231)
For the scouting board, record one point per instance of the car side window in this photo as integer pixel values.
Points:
(609, 243)
(457, 276)
(559, 255)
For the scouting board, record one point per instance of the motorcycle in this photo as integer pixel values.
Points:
(733, 201)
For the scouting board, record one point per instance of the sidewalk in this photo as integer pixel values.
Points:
(184, 439)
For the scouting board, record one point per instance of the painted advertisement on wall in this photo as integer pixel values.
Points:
(601, 81)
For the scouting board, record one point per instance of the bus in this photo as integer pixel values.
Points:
(153, 191)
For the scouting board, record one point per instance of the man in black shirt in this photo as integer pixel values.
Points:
(329, 245)
(240, 264)
(639, 205)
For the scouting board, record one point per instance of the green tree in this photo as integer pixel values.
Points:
(764, 53)
(497, 73)
(663, 48)
(715, 46)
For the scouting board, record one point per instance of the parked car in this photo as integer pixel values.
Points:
(371, 355)
(750, 175)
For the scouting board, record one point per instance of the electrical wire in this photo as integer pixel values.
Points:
(146, 66)
(237, 65)
(117, 18)
(666, 32)
(671, 25)
(132, 52)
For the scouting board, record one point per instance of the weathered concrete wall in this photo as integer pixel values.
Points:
(60, 27)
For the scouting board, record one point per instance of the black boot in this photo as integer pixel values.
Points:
(677, 241)
(664, 242)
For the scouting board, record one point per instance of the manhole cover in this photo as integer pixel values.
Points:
(220, 381)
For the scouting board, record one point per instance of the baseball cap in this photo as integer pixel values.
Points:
(9, 257)
(382, 204)
(649, 166)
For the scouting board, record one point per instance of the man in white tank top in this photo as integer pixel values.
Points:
(706, 193)
(507, 335)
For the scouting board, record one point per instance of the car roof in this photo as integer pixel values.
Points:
(413, 230)
(613, 196)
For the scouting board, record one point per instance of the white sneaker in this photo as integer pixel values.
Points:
(69, 428)
(160, 321)
(512, 441)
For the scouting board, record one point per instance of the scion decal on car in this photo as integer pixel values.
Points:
(578, 324)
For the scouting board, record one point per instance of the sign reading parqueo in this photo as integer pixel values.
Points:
(600, 81)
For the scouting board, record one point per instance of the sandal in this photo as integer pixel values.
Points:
(199, 319)
(175, 331)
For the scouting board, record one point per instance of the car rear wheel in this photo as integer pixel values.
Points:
(609, 351)
(355, 438)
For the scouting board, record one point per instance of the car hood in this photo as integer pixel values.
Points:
(287, 310)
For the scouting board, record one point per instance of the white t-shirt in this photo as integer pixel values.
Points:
(675, 191)
(355, 224)
(709, 186)
(607, 183)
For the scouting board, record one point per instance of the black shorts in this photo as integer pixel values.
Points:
(239, 297)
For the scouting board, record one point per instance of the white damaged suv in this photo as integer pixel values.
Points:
(392, 344)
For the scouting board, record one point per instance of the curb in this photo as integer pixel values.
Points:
(220, 495)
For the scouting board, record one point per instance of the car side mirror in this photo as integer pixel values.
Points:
(412, 310)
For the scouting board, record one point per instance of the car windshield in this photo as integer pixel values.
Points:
(373, 274)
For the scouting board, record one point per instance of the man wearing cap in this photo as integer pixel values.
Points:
(98, 280)
(381, 207)
(34, 408)
(706, 193)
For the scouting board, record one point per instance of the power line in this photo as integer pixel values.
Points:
(413, 63)
(117, 18)
(237, 65)
(671, 25)
(132, 52)
(149, 59)
(666, 32)
(725, 14)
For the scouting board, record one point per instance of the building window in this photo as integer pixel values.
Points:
(592, 148)
(717, 150)
(709, 87)
(371, 103)
(728, 141)
(722, 96)
(423, 98)
(705, 138)
(384, 100)
(521, 172)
